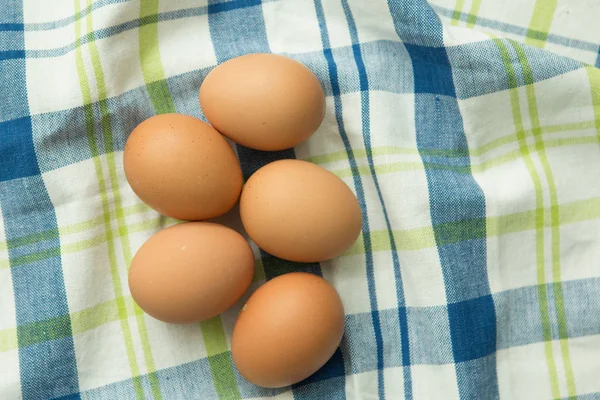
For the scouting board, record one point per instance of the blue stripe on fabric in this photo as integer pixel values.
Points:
(9, 27)
(12, 55)
(335, 86)
(241, 30)
(366, 131)
(238, 31)
(217, 7)
(16, 147)
(453, 197)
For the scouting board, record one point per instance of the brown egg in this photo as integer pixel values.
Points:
(287, 330)
(301, 212)
(263, 101)
(182, 167)
(191, 272)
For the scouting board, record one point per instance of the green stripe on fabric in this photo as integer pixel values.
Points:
(423, 238)
(541, 20)
(554, 217)
(457, 11)
(85, 244)
(475, 167)
(152, 67)
(90, 131)
(44, 331)
(539, 217)
(411, 239)
(594, 79)
(8, 340)
(114, 180)
(472, 18)
(474, 152)
(219, 359)
(100, 314)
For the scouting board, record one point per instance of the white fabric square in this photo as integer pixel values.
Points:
(385, 280)
(398, 131)
(580, 248)
(393, 382)
(35, 11)
(422, 278)
(292, 26)
(508, 189)
(351, 283)
(523, 372)
(406, 196)
(185, 45)
(582, 162)
(85, 195)
(165, 6)
(362, 386)
(87, 274)
(373, 20)
(434, 382)
(482, 126)
(339, 34)
(564, 99)
(50, 39)
(498, 11)
(585, 13)
(53, 84)
(174, 344)
(115, 14)
(10, 373)
(512, 261)
(101, 356)
(8, 318)
(120, 57)
(458, 36)
(584, 358)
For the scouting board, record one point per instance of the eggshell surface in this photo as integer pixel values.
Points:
(299, 211)
(191, 272)
(287, 330)
(182, 167)
(263, 101)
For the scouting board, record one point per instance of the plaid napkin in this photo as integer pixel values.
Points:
(475, 155)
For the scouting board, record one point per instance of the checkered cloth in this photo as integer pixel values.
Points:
(474, 153)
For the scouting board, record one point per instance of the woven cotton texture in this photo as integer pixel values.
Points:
(468, 129)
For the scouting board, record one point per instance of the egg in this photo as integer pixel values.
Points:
(182, 167)
(191, 272)
(263, 101)
(299, 211)
(288, 329)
